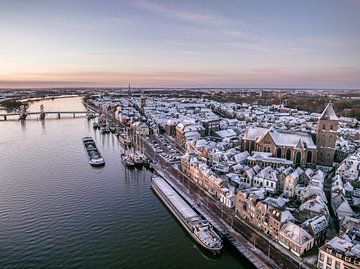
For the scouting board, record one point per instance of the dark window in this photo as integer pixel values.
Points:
(288, 154)
(278, 153)
(324, 127)
(309, 157)
(298, 159)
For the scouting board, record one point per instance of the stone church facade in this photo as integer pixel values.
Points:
(297, 146)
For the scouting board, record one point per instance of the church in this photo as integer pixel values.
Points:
(299, 147)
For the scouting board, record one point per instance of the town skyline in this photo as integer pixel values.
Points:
(166, 44)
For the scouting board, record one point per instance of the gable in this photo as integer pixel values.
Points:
(266, 139)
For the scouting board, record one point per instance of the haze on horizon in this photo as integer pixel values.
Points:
(249, 43)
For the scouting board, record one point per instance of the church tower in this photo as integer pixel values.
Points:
(129, 93)
(142, 100)
(326, 135)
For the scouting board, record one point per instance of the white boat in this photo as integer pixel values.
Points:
(127, 160)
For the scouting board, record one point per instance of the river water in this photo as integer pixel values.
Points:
(56, 211)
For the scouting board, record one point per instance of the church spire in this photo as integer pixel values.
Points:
(142, 99)
(129, 92)
(329, 112)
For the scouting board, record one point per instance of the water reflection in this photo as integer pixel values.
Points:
(56, 211)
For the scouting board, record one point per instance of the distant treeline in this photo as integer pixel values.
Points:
(11, 105)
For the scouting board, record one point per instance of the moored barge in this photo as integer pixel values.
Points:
(94, 156)
(199, 229)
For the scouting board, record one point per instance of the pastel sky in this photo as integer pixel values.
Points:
(203, 43)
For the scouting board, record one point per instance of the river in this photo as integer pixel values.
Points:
(56, 211)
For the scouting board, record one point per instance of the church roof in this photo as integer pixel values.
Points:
(254, 133)
(287, 138)
(329, 113)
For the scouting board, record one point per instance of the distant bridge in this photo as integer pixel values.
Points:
(58, 113)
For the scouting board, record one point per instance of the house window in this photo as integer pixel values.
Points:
(337, 265)
(321, 258)
(331, 127)
(324, 127)
(328, 261)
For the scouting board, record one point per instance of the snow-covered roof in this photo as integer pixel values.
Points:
(226, 133)
(291, 139)
(329, 113)
(254, 133)
(344, 246)
(295, 233)
(317, 224)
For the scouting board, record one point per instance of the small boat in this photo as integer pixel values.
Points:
(127, 160)
(138, 160)
(124, 140)
(90, 116)
(112, 129)
(95, 125)
(107, 129)
(102, 129)
(94, 156)
(198, 227)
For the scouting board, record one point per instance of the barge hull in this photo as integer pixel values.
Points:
(180, 215)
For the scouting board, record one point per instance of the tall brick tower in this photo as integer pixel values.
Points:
(326, 136)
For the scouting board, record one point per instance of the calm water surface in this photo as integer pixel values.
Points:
(56, 211)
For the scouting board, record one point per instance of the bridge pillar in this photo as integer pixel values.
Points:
(74, 115)
(5, 118)
(59, 116)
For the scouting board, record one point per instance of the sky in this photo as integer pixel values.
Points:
(203, 43)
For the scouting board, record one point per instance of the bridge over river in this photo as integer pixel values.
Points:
(42, 115)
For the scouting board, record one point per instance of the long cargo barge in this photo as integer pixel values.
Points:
(199, 229)
(94, 156)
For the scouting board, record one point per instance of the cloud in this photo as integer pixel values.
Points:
(187, 15)
(255, 77)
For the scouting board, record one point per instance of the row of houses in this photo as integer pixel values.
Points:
(267, 214)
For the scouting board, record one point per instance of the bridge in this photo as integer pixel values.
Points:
(43, 114)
